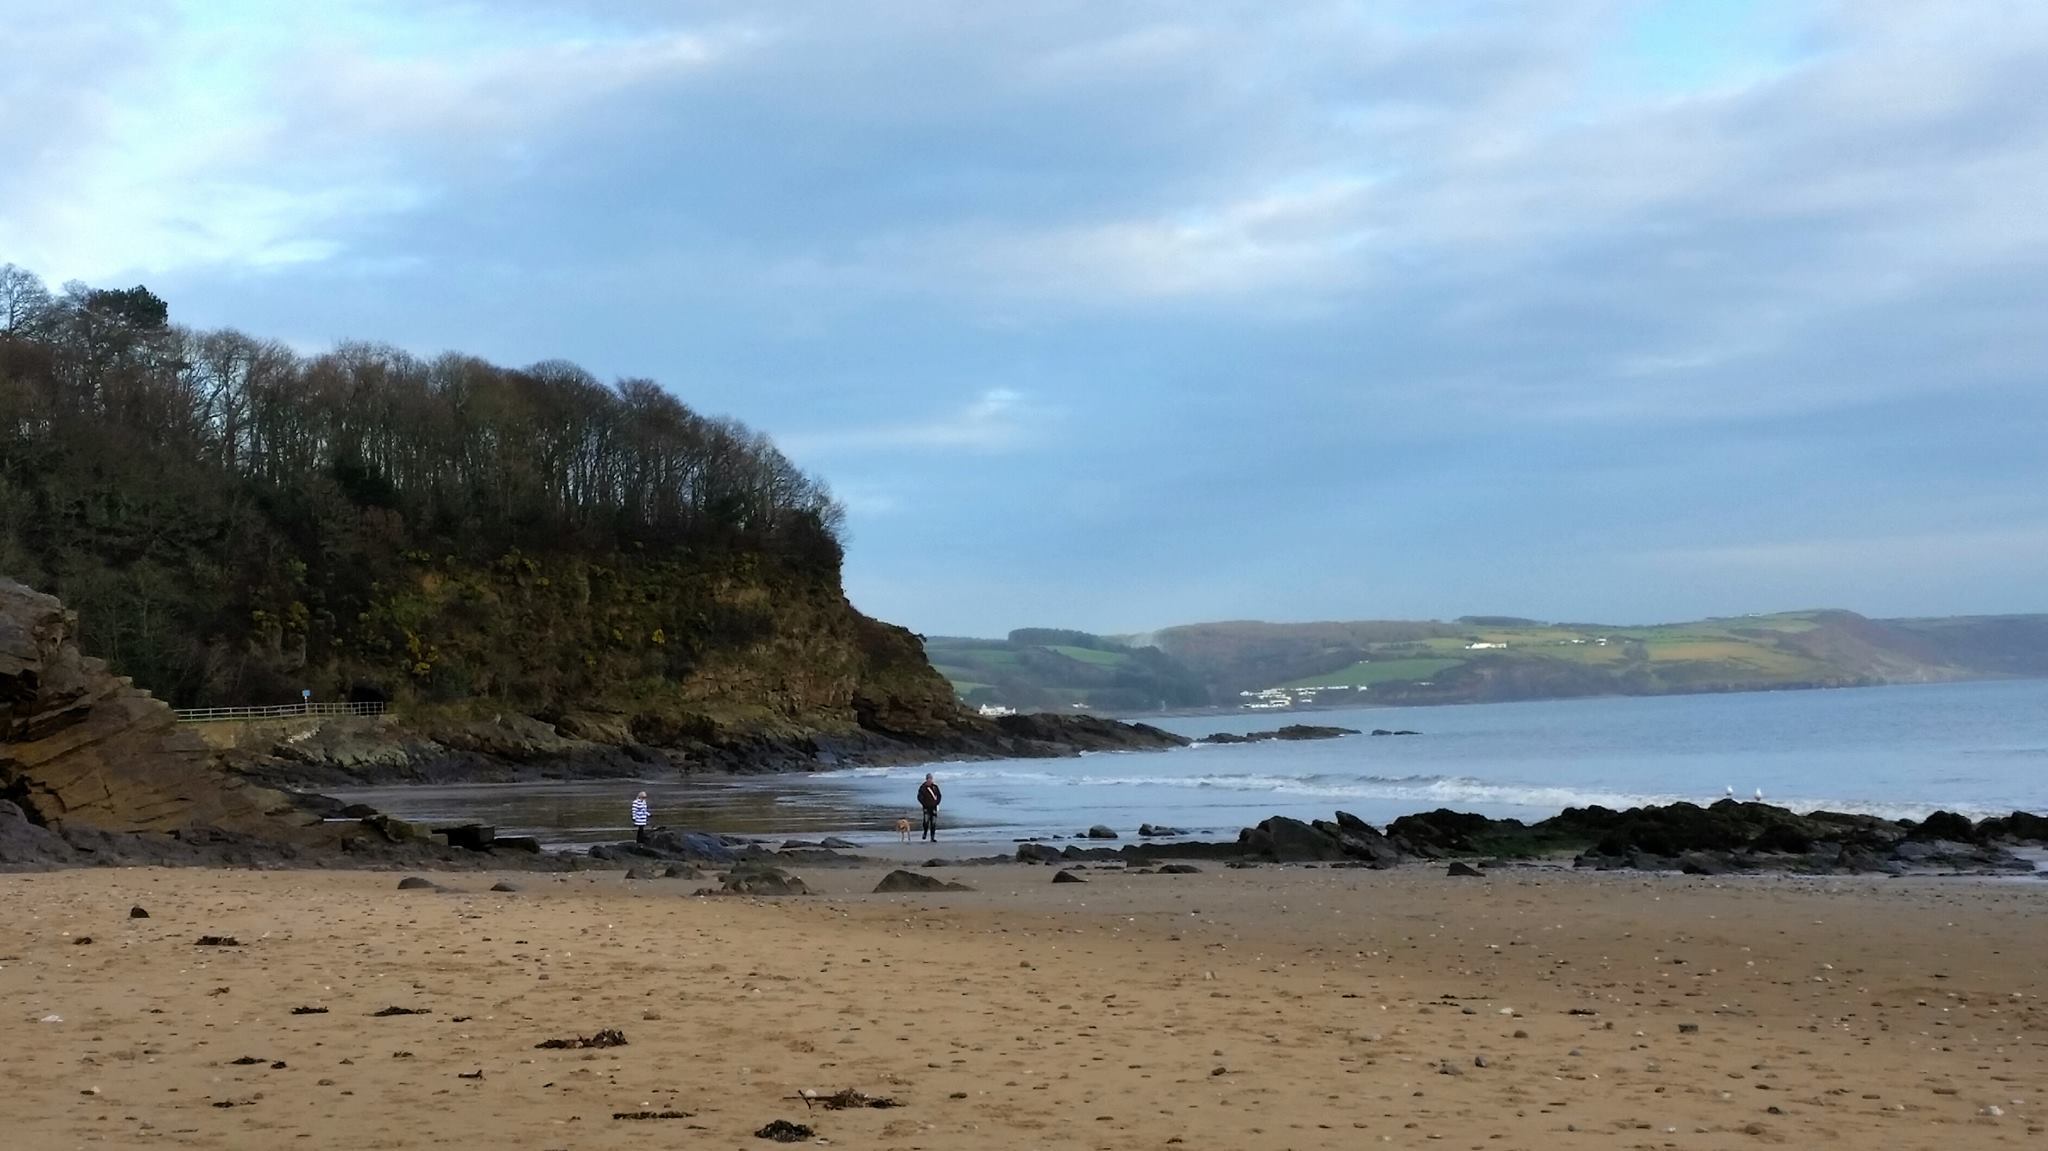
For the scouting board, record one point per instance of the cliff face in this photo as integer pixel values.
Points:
(621, 649)
(83, 750)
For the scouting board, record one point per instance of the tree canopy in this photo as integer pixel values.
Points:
(200, 496)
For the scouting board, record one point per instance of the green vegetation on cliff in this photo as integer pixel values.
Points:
(1054, 668)
(233, 522)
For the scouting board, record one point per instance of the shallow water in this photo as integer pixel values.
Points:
(1978, 748)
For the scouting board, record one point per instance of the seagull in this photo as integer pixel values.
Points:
(1728, 792)
(1759, 795)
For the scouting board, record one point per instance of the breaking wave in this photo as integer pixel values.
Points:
(1417, 792)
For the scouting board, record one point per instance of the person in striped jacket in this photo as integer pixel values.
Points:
(640, 816)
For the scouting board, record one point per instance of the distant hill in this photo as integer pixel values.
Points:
(1489, 658)
(1046, 668)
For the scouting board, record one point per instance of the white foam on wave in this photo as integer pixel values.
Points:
(1421, 791)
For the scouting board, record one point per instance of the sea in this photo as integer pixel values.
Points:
(1903, 751)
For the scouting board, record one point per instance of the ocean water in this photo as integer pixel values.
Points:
(1977, 748)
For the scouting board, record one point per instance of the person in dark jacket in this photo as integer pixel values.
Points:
(928, 797)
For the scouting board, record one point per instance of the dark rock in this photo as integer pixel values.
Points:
(694, 846)
(851, 1100)
(763, 880)
(1038, 733)
(1151, 830)
(783, 1131)
(680, 871)
(137, 913)
(2019, 827)
(1359, 841)
(417, 883)
(901, 881)
(934, 863)
(469, 836)
(502, 885)
(1298, 731)
(609, 1037)
(1402, 731)
(387, 1012)
(1704, 863)
(1068, 877)
(392, 830)
(1293, 731)
(1460, 868)
(1863, 861)
(357, 811)
(1179, 869)
(835, 843)
(1285, 840)
(636, 873)
(1037, 853)
(525, 843)
(1944, 825)
(216, 941)
(1435, 834)
(1101, 832)
(789, 844)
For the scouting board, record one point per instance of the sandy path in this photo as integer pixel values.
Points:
(1891, 1014)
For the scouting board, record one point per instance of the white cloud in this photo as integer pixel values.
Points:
(997, 420)
(1311, 236)
(249, 138)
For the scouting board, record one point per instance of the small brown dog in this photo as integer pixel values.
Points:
(903, 829)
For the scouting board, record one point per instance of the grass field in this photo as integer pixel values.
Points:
(1090, 655)
(1368, 672)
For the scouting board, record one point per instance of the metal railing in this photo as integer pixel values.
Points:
(276, 711)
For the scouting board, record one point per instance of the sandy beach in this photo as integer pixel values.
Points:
(1271, 1007)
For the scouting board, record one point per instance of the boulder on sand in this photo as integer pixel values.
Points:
(1068, 877)
(1101, 832)
(760, 879)
(901, 881)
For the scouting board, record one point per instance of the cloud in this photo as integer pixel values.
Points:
(1541, 274)
(998, 420)
(254, 137)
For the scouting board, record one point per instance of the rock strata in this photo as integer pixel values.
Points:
(88, 762)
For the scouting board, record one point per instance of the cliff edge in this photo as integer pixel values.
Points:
(83, 751)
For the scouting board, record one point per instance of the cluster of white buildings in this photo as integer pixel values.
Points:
(1277, 698)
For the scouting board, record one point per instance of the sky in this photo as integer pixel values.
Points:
(1120, 315)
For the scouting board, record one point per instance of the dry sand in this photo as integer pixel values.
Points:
(1264, 1008)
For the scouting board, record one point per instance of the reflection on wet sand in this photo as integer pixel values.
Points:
(596, 811)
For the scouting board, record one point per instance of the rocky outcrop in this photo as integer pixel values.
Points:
(1726, 838)
(498, 747)
(1291, 732)
(1730, 837)
(82, 750)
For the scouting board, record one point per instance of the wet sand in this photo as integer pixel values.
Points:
(1281, 1008)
